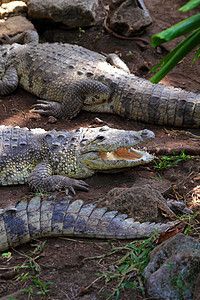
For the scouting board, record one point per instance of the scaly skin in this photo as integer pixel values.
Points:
(70, 78)
(54, 160)
(38, 219)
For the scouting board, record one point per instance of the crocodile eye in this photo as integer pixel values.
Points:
(99, 138)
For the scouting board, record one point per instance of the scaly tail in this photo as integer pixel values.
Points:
(38, 219)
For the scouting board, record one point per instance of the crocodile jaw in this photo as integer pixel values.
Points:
(122, 153)
(116, 159)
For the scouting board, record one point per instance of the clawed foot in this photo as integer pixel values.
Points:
(5, 40)
(47, 108)
(179, 207)
(76, 184)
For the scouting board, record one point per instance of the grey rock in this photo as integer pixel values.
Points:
(72, 13)
(177, 244)
(197, 289)
(173, 268)
(176, 278)
(128, 17)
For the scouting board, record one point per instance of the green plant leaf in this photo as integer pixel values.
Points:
(169, 55)
(168, 64)
(190, 5)
(179, 29)
(197, 55)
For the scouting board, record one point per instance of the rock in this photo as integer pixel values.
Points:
(128, 17)
(15, 25)
(14, 8)
(139, 202)
(173, 268)
(7, 1)
(177, 244)
(176, 278)
(72, 13)
(197, 289)
(52, 120)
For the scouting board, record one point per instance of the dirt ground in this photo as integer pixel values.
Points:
(63, 261)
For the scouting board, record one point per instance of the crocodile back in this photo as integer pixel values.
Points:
(48, 70)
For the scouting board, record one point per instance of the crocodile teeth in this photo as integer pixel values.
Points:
(121, 153)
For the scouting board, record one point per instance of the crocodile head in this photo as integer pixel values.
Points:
(105, 149)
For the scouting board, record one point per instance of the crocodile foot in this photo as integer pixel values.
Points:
(179, 207)
(47, 108)
(56, 183)
(5, 40)
(76, 184)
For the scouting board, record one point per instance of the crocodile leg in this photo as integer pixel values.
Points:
(9, 82)
(116, 61)
(89, 92)
(42, 179)
(26, 37)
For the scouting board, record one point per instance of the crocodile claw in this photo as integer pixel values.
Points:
(6, 39)
(45, 107)
(179, 207)
(76, 184)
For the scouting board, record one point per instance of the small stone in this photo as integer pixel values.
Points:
(52, 120)
(142, 46)
(158, 50)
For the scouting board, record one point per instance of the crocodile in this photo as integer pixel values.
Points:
(37, 219)
(55, 160)
(69, 78)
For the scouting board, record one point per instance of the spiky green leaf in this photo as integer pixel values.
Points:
(168, 64)
(190, 5)
(177, 30)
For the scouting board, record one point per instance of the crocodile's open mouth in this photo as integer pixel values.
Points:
(121, 153)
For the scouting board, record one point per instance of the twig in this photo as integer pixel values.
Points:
(86, 289)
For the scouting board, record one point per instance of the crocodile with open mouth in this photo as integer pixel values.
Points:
(55, 160)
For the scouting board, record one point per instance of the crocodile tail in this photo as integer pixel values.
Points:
(38, 219)
(157, 103)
